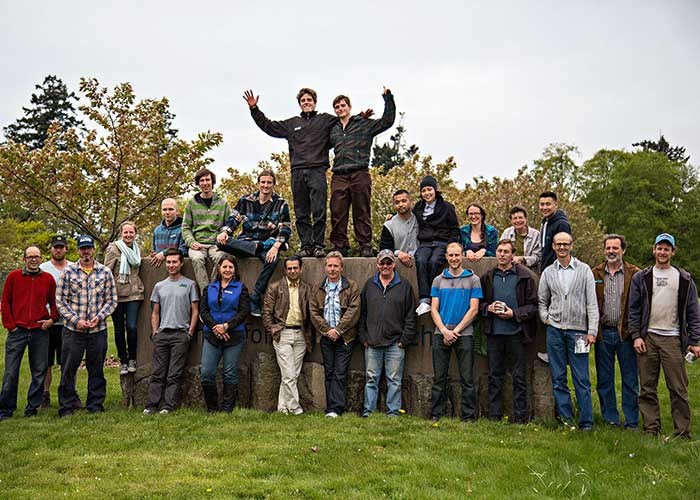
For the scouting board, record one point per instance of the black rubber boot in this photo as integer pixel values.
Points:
(211, 397)
(230, 395)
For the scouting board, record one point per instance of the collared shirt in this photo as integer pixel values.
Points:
(565, 275)
(612, 296)
(331, 307)
(429, 209)
(294, 314)
(80, 295)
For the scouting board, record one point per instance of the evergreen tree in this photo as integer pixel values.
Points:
(673, 153)
(393, 153)
(51, 103)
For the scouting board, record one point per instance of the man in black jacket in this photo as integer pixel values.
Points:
(308, 138)
(509, 309)
(387, 325)
(351, 184)
(554, 221)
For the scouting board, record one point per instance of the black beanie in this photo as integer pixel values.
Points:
(428, 180)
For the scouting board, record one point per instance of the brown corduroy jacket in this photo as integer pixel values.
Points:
(629, 270)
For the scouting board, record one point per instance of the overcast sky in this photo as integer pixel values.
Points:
(490, 83)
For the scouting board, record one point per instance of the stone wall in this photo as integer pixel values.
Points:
(259, 375)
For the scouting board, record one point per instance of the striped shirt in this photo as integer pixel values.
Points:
(202, 224)
(612, 296)
(331, 307)
(86, 296)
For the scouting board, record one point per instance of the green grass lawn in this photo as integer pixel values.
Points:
(256, 455)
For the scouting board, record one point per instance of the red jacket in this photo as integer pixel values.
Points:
(24, 300)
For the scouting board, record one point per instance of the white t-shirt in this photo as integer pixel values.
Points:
(663, 317)
(56, 273)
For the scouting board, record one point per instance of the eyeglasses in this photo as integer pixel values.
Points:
(386, 262)
(33, 257)
(562, 245)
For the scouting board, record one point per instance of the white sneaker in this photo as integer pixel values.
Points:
(164, 411)
(131, 367)
(422, 309)
(123, 369)
(148, 411)
(543, 356)
(332, 414)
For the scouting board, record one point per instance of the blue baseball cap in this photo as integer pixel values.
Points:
(667, 238)
(86, 241)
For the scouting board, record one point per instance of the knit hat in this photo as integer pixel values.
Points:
(428, 180)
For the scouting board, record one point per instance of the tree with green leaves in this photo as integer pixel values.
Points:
(120, 170)
(395, 152)
(52, 103)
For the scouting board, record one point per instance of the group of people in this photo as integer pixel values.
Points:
(649, 319)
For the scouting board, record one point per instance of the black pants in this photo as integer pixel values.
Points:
(94, 347)
(430, 261)
(310, 193)
(336, 360)
(507, 351)
(170, 348)
(247, 249)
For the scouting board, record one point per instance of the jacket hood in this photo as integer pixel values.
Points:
(447, 274)
(558, 215)
(176, 223)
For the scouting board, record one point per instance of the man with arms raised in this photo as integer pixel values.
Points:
(351, 184)
(455, 304)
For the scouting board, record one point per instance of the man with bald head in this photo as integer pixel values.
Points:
(569, 307)
(28, 312)
(168, 234)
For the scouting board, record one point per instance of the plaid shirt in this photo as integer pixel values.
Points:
(331, 307)
(353, 143)
(265, 223)
(86, 296)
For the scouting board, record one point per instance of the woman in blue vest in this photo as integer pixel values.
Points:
(223, 310)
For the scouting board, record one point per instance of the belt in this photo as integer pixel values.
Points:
(296, 327)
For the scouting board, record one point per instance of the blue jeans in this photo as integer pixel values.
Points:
(212, 354)
(124, 319)
(560, 347)
(17, 341)
(464, 349)
(605, 351)
(247, 249)
(390, 358)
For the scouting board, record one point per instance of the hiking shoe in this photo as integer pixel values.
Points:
(319, 253)
(123, 369)
(305, 252)
(367, 252)
(131, 367)
(422, 309)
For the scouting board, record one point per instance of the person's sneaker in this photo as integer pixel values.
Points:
(305, 252)
(422, 309)
(367, 252)
(298, 411)
(149, 411)
(46, 400)
(123, 369)
(332, 414)
(255, 309)
(131, 367)
(319, 253)
(164, 411)
(543, 356)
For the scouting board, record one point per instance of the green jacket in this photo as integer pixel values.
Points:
(201, 224)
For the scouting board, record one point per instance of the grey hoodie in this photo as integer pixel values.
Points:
(577, 310)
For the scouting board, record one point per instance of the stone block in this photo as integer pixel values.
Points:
(265, 382)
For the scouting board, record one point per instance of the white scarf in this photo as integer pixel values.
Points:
(130, 257)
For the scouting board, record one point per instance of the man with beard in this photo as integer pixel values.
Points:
(400, 233)
(85, 296)
(612, 286)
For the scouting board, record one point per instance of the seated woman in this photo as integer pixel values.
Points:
(123, 258)
(478, 238)
(223, 308)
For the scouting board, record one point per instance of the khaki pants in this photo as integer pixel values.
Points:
(290, 352)
(663, 352)
(199, 263)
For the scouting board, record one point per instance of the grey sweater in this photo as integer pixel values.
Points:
(577, 310)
